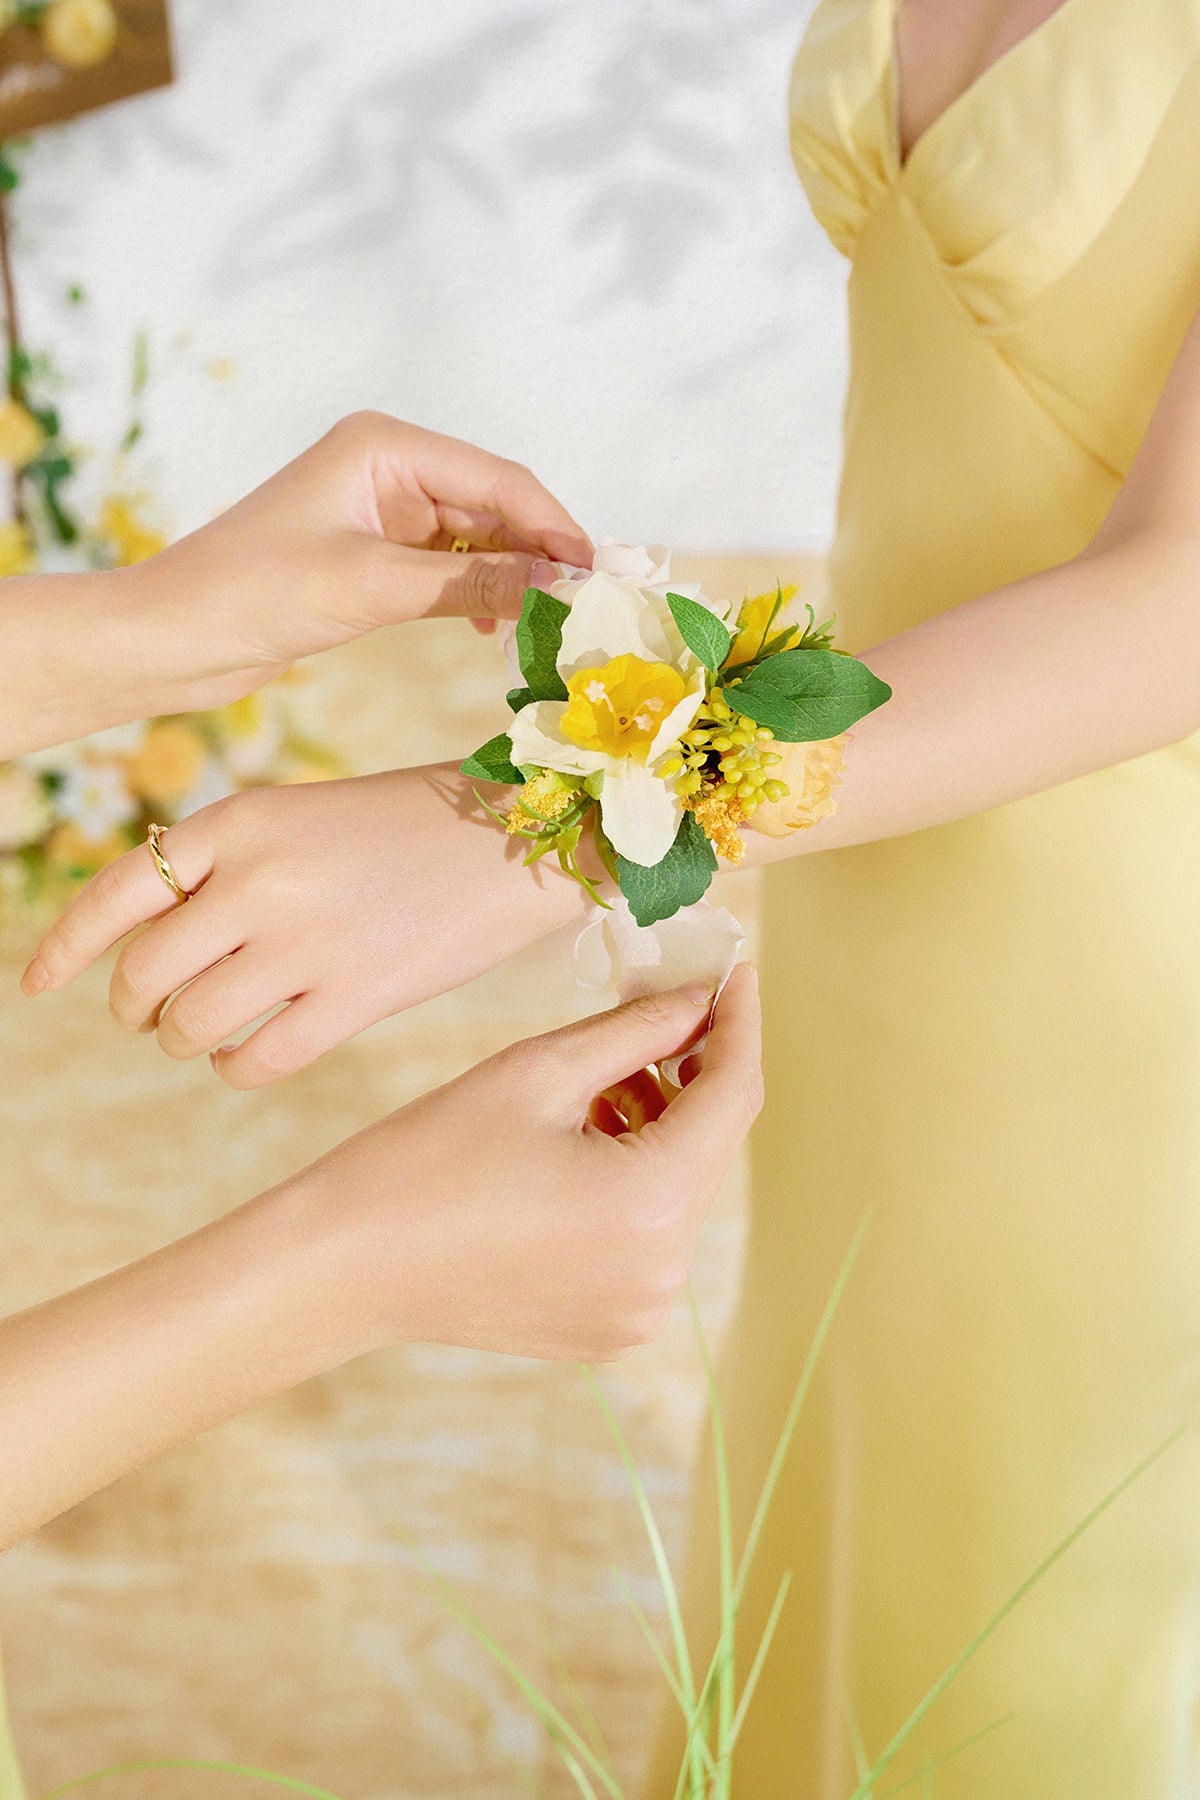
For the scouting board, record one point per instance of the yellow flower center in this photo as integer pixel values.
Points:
(619, 709)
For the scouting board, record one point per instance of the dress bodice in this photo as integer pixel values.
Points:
(1019, 286)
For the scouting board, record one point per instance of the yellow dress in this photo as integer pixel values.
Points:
(989, 1033)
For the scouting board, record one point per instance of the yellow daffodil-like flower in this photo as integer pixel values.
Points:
(754, 618)
(16, 549)
(79, 33)
(620, 708)
(167, 763)
(633, 689)
(21, 437)
(131, 540)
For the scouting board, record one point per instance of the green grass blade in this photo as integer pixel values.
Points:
(654, 1536)
(582, 1710)
(946, 1756)
(576, 1752)
(666, 1580)
(661, 1658)
(726, 1673)
(760, 1657)
(977, 1642)
(862, 1761)
(793, 1413)
(192, 1762)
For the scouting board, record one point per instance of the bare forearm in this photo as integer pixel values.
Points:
(1069, 671)
(75, 657)
(97, 1381)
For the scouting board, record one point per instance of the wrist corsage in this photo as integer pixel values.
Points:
(649, 717)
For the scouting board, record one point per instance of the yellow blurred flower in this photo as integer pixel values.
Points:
(71, 851)
(21, 437)
(311, 768)
(79, 33)
(131, 540)
(241, 718)
(753, 619)
(167, 763)
(16, 550)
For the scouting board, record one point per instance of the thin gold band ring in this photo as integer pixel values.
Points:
(461, 546)
(154, 844)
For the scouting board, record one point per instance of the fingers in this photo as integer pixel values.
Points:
(716, 1109)
(126, 893)
(169, 953)
(290, 1041)
(606, 1051)
(472, 585)
(461, 477)
(222, 1001)
(636, 1101)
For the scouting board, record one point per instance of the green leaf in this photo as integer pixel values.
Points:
(680, 879)
(806, 695)
(701, 631)
(9, 179)
(493, 762)
(519, 697)
(539, 640)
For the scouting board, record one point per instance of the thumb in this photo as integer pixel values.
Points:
(426, 584)
(598, 1052)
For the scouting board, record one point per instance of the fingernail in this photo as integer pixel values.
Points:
(542, 573)
(36, 978)
(699, 993)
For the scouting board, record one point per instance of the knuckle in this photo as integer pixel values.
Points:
(192, 1027)
(649, 1009)
(133, 971)
(363, 422)
(491, 587)
(529, 1061)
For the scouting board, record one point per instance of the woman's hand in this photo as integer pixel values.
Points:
(355, 533)
(351, 900)
(547, 1203)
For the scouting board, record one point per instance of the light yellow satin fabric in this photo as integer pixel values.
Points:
(988, 1033)
(12, 1786)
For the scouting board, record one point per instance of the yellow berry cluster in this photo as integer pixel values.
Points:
(726, 756)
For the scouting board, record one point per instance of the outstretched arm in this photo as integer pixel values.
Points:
(545, 1204)
(1069, 671)
(353, 534)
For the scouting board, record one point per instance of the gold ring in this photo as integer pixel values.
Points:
(154, 844)
(461, 546)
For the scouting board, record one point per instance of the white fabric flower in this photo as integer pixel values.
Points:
(623, 655)
(95, 797)
(617, 959)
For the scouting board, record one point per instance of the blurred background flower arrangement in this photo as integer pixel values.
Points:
(67, 811)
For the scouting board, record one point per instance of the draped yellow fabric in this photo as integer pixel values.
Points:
(11, 1785)
(988, 1034)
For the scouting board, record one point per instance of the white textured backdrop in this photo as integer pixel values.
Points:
(569, 231)
(572, 233)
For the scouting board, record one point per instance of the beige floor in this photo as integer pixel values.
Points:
(250, 1597)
